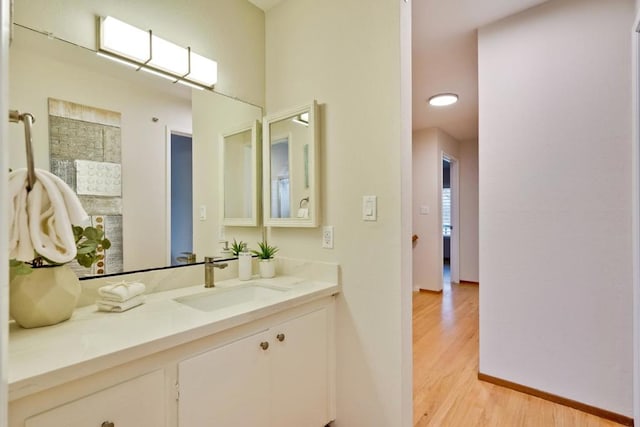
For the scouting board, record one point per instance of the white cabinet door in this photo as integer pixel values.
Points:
(227, 386)
(139, 402)
(299, 369)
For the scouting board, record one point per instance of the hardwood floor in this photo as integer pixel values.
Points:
(446, 391)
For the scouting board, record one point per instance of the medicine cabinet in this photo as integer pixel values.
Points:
(239, 176)
(291, 179)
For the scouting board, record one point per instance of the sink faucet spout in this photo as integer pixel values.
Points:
(209, 268)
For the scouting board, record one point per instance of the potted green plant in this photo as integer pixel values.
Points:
(237, 247)
(265, 255)
(43, 292)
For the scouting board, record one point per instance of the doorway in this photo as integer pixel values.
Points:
(449, 220)
(180, 191)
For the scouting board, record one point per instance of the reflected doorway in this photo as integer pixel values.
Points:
(180, 163)
(280, 190)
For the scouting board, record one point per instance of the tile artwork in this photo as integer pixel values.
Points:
(85, 151)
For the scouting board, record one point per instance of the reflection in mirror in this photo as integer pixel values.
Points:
(291, 168)
(43, 67)
(280, 187)
(239, 180)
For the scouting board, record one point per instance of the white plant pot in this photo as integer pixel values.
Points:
(46, 296)
(267, 268)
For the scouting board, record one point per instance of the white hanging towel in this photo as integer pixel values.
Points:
(40, 220)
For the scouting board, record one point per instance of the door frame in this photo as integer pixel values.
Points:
(454, 176)
(168, 132)
(5, 27)
(635, 197)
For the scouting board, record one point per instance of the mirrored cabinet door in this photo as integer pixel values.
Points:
(239, 176)
(291, 195)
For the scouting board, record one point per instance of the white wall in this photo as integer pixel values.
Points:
(428, 147)
(555, 201)
(314, 50)
(228, 31)
(469, 256)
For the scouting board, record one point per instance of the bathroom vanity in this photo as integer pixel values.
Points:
(257, 353)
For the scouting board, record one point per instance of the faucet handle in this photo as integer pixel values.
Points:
(209, 259)
(187, 257)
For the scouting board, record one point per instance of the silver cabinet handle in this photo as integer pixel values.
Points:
(280, 337)
(264, 345)
(108, 424)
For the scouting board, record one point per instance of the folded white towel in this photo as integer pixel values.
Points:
(41, 220)
(119, 307)
(121, 291)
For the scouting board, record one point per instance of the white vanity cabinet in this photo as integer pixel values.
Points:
(137, 402)
(278, 377)
(226, 386)
(271, 366)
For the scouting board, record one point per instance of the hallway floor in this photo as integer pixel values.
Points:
(446, 390)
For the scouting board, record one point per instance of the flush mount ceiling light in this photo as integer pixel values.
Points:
(145, 51)
(443, 99)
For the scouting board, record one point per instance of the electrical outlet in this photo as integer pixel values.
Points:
(221, 234)
(327, 237)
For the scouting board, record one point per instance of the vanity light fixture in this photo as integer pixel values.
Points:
(443, 99)
(191, 85)
(143, 50)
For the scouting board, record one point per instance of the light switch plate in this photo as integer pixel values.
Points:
(370, 208)
(327, 237)
(203, 212)
(424, 210)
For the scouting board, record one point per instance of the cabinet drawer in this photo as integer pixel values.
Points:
(139, 402)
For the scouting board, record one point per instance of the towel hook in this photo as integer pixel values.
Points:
(28, 120)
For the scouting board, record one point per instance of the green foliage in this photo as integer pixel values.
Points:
(88, 241)
(237, 247)
(266, 251)
(18, 267)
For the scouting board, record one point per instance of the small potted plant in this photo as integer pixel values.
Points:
(265, 255)
(237, 247)
(43, 292)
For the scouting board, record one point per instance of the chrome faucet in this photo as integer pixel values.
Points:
(209, 266)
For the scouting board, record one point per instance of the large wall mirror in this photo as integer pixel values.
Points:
(239, 176)
(152, 111)
(291, 168)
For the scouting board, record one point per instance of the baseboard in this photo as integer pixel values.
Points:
(429, 291)
(468, 282)
(602, 413)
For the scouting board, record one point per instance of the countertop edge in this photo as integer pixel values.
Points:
(23, 387)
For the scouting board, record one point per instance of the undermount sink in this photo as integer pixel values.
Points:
(219, 298)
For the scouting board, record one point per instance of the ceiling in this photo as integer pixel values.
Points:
(265, 4)
(445, 57)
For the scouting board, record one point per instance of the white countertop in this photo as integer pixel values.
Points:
(92, 341)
